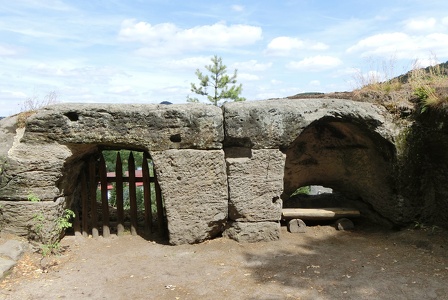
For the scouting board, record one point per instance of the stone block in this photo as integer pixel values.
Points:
(5, 266)
(277, 123)
(344, 224)
(32, 220)
(156, 127)
(251, 232)
(255, 179)
(194, 189)
(13, 249)
(296, 226)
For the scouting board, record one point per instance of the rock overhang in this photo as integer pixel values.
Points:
(277, 123)
(151, 126)
(170, 133)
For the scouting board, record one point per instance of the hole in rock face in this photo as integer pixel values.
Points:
(73, 116)
(313, 196)
(118, 191)
(176, 138)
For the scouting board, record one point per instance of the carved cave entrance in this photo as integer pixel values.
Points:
(118, 192)
(355, 162)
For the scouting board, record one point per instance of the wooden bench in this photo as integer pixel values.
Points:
(319, 213)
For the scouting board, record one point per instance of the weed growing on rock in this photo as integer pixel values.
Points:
(40, 222)
(33, 198)
(430, 85)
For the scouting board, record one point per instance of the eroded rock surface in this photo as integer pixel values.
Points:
(194, 186)
(215, 166)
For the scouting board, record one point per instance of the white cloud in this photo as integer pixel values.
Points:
(402, 45)
(85, 73)
(315, 63)
(445, 21)
(314, 83)
(122, 90)
(7, 51)
(420, 24)
(284, 46)
(189, 63)
(248, 77)
(252, 65)
(168, 38)
(238, 8)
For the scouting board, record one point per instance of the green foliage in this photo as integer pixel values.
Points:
(222, 85)
(33, 198)
(305, 190)
(430, 86)
(50, 248)
(63, 222)
(39, 220)
(110, 157)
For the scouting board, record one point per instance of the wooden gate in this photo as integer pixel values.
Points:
(96, 178)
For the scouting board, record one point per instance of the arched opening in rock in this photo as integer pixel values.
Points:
(115, 191)
(355, 162)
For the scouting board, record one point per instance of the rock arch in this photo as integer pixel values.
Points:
(350, 159)
(221, 170)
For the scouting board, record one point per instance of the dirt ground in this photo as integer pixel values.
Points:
(366, 263)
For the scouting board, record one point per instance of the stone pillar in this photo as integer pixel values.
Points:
(255, 179)
(194, 189)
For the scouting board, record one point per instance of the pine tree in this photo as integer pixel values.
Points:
(222, 86)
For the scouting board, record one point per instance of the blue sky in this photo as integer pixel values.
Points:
(136, 51)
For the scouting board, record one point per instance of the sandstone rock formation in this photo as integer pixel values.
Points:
(221, 170)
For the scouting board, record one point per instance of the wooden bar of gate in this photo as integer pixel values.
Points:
(76, 224)
(89, 190)
(93, 185)
(132, 194)
(104, 197)
(147, 194)
(84, 206)
(119, 194)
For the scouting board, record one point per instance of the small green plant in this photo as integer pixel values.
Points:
(50, 248)
(39, 220)
(430, 85)
(419, 225)
(304, 190)
(63, 222)
(33, 198)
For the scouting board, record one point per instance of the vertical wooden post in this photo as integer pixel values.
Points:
(84, 204)
(119, 194)
(93, 187)
(76, 222)
(147, 194)
(159, 203)
(104, 197)
(132, 194)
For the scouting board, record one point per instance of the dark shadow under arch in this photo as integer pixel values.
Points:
(350, 159)
(77, 167)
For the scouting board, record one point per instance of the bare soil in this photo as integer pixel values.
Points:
(366, 263)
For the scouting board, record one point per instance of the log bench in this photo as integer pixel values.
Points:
(319, 213)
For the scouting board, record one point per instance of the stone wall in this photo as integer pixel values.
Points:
(221, 170)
